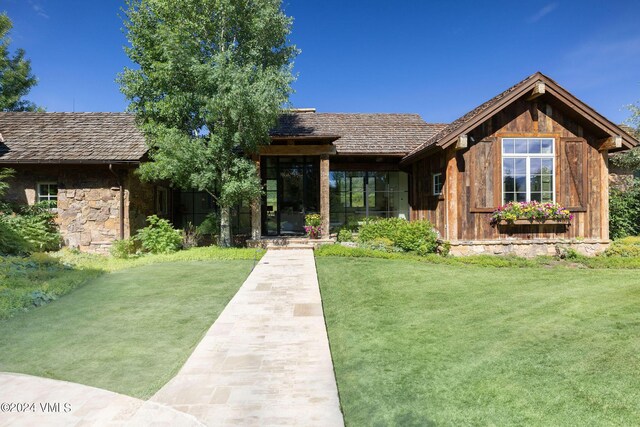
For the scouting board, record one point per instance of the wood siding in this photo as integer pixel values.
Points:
(473, 184)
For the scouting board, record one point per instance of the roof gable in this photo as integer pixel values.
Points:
(483, 112)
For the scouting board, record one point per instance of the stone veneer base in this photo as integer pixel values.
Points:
(527, 248)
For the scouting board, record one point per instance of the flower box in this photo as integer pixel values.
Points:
(531, 213)
(524, 221)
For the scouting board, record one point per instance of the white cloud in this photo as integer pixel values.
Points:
(37, 8)
(542, 13)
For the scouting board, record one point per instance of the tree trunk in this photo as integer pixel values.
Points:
(225, 227)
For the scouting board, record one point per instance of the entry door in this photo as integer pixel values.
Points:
(292, 191)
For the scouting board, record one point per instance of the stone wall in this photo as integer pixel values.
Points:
(88, 201)
(527, 248)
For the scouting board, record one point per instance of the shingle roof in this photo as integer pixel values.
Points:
(390, 134)
(70, 137)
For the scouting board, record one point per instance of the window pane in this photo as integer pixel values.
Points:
(521, 166)
(536, 184)
(509, 184)
(521, 183)
(536, 197)
(507, 146)
(534, 146)
(521, 197)
(357, 192)
(547, 183)
(521, 146)
(535, 166)
(547, 197)
(547, 166)
(508, 166)
(547, 146)
(509, 197)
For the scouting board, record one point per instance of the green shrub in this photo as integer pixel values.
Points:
(11, 242)
(345, 235)
(210, 225)
(624, 211)
(627, 247)
(159, 237)
(31, 229)
(380, 244)
(415, 236)
(124, 248)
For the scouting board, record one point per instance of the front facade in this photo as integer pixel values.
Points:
(534, 141)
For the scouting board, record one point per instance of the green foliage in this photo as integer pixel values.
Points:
(313, 220)
(630, 159)
(626, 247)
(624, 211)
(16, 79)
(5, 175)
(381, 244)
(124, 248)
(414, 236)
(190, 236)
(31, 229)
(533, 211)
(345, 235)
(210, 82)
(159, 237)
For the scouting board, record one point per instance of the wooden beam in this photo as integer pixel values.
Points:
(297, 150)
(324, 195)
(610, 143)
(463, 142)
(538, 90)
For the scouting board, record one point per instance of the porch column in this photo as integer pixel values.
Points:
(324, 194)
(256, 209)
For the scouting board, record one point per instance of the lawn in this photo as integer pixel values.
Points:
(415, 343)
(128, 331)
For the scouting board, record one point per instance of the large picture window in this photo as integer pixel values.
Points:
(528, 170)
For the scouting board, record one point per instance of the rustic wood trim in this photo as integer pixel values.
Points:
(463, 142)
(324, 195)
(610, 143)
(256, 208)
(483, 210)
(604, 196)
(335, 166)
(538, 90)
(451, 195)
(533, 223)
(297, 150)
(585, 171)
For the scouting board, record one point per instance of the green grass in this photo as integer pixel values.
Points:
(24, 279)
(417, 343)
(127, 331)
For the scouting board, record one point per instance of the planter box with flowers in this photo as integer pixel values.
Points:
(313, 226)
(531, 213)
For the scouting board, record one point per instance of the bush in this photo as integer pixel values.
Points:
(381, 244)
(415, 236)
(159, 237)
(210, 225)
(124, 248)
(624, 211)
(627, 247)
(345, 235)
(190, 236)
(31, 229)
(313, 225)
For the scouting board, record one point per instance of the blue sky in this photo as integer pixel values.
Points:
(437, 59)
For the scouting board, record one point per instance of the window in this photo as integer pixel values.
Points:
(528, 170)
(162, 201)
(437, 184)
(48, 192)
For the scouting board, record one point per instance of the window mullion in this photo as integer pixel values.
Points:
(528, 178)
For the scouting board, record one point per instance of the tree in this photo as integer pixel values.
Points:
(213, 77)
(630, 160)
(16, 79)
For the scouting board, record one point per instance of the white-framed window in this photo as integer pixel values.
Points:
(162, 201)
(437, 184)
(528, 169)
(47, 192)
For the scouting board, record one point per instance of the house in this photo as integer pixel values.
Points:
(535, 141)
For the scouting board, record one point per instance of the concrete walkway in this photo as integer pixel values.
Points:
(266, 360)
(45, 402)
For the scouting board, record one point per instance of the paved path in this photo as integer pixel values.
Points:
(266, 359)
(87, 406)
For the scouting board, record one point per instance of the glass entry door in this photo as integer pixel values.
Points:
(292, 191)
